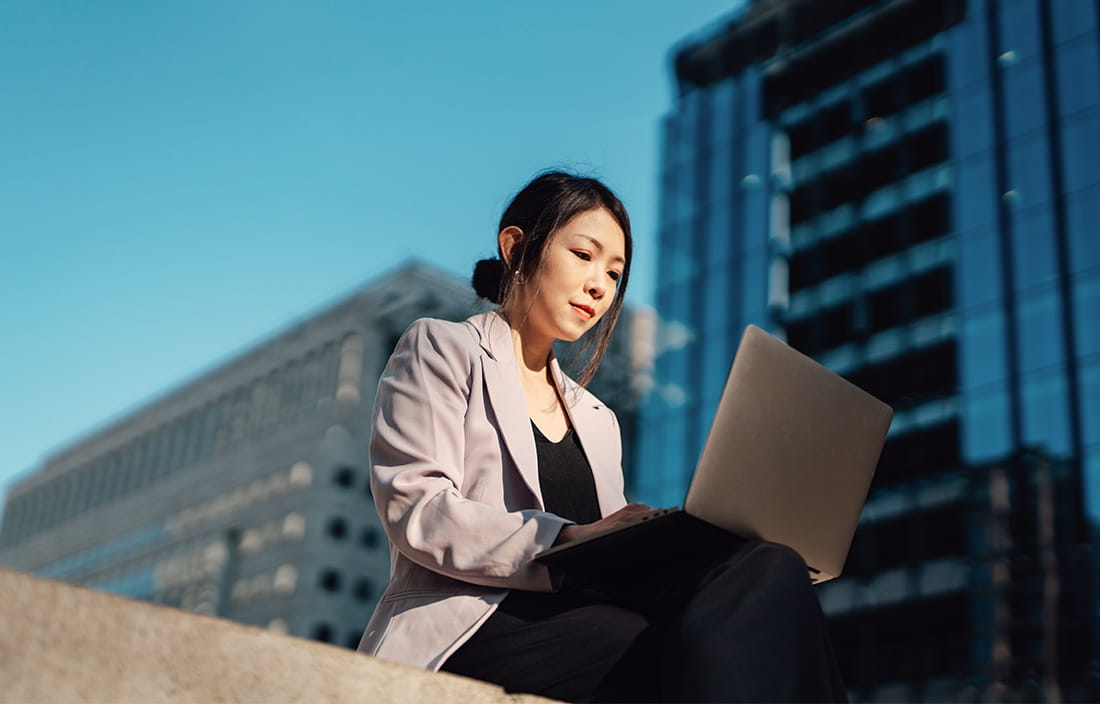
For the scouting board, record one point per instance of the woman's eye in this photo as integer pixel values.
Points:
(583, 255)
(614, 275)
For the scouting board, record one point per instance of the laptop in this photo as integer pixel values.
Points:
(789, 458)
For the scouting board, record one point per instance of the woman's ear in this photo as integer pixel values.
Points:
(508, 238)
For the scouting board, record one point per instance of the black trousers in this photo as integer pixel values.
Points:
(740, 627)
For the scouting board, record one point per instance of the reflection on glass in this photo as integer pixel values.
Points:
(972, 122)
(1019, 27)
(1080, 145)
(754, 285)
(986, 428)
(677, 253)
(678, 307)
(1033, 254)
(974, 193)
(721, 112)
(1091, 480)
(720, 234)
(1090, 401)
(716, 300)
(1083, 219)
(646, 445)
(1023, 108)
(1078, 74)
(1072, 19)
(1086, 304)
(1039, 336)
(968, 58)
(1029, 171)
(718, 351)
(683, 198)
(983, 348)
(749, 95)
(979, 272)
(754, 228)
(1045, 411)
(720, 186)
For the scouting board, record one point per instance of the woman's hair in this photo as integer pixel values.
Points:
(544, 205)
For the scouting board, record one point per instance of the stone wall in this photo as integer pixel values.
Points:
(61, 643)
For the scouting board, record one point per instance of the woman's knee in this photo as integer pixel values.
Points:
(614, 624)
(776, 561)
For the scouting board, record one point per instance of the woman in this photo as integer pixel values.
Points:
(484, 454)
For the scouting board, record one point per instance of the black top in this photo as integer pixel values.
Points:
(565, 478)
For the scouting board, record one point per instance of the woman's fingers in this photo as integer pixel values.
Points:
(627, 514)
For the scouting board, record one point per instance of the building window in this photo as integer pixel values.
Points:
(238, 422)
(311, 380)
(291, 388)
(286, 579)
(337, 434)
(242, 590)
(322, 632)
(353, 640)
(258, 491)
(337, 528)
(344, 476)
(294, 525)
(193, 451)
(207, 430)
(364, 590)
(330, 580)
(329, 370)
(351, 368)
(370, 537)
(301, 474)
(223, 418)
(273, 401)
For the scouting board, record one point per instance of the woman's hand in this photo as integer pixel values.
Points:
(631, 513)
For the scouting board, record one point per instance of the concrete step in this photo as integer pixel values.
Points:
(62, 643)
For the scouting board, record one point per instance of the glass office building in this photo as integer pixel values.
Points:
(908, 191)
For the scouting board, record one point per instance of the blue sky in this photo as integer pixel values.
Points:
(179, 180)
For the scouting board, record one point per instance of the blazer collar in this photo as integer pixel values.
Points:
(495, 335)
(505, 392)
(585, 414)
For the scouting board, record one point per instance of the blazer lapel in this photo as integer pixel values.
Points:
(584, 415)
(505, 393)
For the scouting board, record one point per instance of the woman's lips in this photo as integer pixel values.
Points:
(584, 311)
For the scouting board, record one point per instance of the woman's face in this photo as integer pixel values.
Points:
(578, 279)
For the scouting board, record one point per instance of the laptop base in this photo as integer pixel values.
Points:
(636, 553)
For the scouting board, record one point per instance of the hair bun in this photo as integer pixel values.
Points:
(488, 274)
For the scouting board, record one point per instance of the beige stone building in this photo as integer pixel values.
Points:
(243, 493)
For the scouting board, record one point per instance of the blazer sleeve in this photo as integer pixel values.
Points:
(417, 448)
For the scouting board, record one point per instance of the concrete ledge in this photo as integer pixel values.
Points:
(61, 643)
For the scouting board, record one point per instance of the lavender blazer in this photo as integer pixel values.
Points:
(455, 479)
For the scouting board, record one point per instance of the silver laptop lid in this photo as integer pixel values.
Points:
(790, 454)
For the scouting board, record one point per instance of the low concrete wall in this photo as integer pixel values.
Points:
(60, 643)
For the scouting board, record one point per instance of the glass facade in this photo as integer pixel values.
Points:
(920, 215)
(714, 251)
